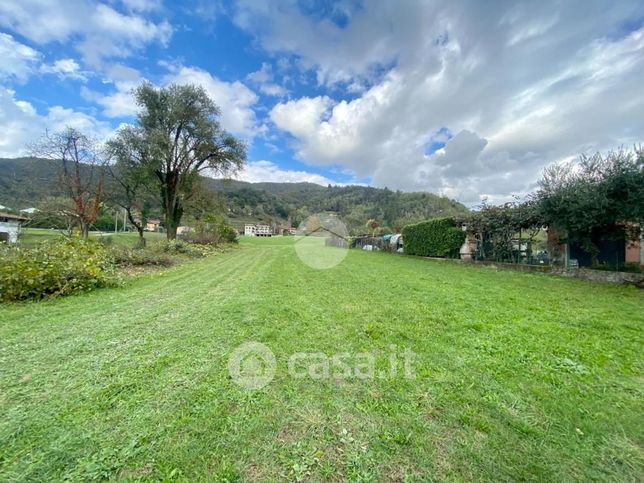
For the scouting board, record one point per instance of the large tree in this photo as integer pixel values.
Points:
(81, 173)
(596, 196)
(179, 136)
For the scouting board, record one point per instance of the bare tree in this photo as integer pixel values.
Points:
(81, 172)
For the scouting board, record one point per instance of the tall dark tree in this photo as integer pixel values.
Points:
(596, 196)
(80, 175)
(182, 137)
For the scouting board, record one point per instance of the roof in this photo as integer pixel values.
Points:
(12, 217)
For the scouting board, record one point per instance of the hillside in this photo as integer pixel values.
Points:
(26, 182)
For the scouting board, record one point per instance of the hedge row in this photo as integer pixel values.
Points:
(71, 265)
(434, 238)
(54, 268)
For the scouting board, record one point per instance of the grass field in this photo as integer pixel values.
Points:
(517, 376)
(30, 237)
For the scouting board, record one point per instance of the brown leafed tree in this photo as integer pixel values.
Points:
(80, 172)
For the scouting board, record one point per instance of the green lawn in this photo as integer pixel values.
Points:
(30, 237)
(518, 376)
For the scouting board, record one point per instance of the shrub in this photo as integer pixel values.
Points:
(174, 247)
(434, 238)
(126, 257)
(212, 231)
(180, 247)
(54, 268)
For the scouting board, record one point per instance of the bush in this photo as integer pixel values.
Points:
(180, 247)
(125, 257)
(212, 231)
(434, 238)
(54, 268)
(174, 247)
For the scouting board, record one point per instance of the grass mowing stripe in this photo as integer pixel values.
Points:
(519, 376)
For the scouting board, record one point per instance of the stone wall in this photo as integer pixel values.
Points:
(601, 275)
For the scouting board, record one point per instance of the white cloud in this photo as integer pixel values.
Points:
(267, 171)
(21, 123)
(97, 30)
(65, 69)
(338, 54)
(302, 117)
(234, 99)
(142, 5)
(120, 102)
(17, 60)
(116, 104)
(521, 88)
(264, 80)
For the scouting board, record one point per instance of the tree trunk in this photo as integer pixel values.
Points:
(141, 242)
(172, 204)
(84, 229)
(139, 227)
(171, 229)
(173, 219)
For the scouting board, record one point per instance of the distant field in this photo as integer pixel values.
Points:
(30, 237)
(517, 376)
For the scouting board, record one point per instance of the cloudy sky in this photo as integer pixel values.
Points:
(467, 99)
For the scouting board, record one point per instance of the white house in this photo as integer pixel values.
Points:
(10, 227)
(258, 230)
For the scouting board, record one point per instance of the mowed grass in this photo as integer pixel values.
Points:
(518, 376)
(31, 237)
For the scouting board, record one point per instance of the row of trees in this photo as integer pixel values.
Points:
(589, 200)
(156, 160)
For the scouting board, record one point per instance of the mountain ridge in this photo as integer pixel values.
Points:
(26, 182)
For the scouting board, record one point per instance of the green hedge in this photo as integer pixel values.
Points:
(434, 238)
(54, 268)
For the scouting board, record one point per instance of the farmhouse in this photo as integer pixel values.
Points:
(10, 227)
(258, 230)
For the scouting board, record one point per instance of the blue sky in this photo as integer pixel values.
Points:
(458, 98)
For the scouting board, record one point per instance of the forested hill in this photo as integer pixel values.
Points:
(26, 182)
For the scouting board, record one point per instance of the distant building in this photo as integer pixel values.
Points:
(182, 230)
(30, 211)
(258, 230)
(288, 231)
(153, 224)
(10, 227)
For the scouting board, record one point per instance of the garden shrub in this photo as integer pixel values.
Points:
(212, 230)
(127, 257)
(175, 247)
(433, 238)
(180, 247)
(54, 268)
